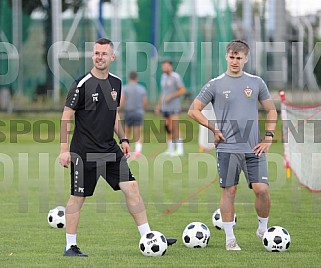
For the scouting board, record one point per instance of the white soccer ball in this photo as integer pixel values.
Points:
(217, 219)
(153, 244)
(276, 239)
(56, 217)
(196, 235)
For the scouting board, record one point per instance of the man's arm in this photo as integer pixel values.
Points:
(158, 105)
(65, 127)
(179, 92)
(118, 129)
(195, 112)
(122, 103)
(144, 102)
(271, 119)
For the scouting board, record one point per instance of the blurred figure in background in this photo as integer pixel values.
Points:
(133, 104)
(169, 105)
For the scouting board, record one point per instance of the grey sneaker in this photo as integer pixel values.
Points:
(259, 234)
(232, 245)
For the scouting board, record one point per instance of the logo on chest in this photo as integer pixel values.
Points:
(95, 97)
(226, 93)
(113, 94)
(248, 92)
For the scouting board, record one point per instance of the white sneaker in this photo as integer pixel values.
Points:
(177, 153)
(170, 153)
(232, 245)
(259, 234)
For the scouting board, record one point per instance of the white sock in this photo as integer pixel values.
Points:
(71, 239)
(138, 147)
(143, 229)
(179, 146)
(262, 224)
(229, 232)
(170, 146)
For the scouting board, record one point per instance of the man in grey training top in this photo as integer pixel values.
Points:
(133, 103)
(170, 106)
(235, 95)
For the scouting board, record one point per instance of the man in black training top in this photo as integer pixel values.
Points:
(94, 99)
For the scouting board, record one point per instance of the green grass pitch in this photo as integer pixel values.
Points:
(32, 182)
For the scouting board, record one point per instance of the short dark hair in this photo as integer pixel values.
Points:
(133, 75)
(104, 41)
(238, 46)
(167, 61)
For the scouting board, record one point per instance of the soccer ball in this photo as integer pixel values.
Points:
(153, 244)
(56, 217)
(276, 239)
(196, 235)
(217, 219)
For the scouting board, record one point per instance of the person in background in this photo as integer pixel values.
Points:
(169, 105)
(133, 104)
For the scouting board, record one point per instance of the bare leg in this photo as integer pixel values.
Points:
(227, 203)
(128, 132)
(174, 121)
(262, 200)
(169, 125)
(176, 134)
(137, 134)
(262, 206)
(134, 201)
(227, 212)
(73, 212)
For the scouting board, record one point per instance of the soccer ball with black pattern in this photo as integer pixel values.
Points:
(56, 217)
(217, 219)
(196, 235)
(153, 244)
(276, 239)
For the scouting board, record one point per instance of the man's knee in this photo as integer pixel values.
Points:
(74, 204)
(260, 189)
(130, 188)
(229, 191)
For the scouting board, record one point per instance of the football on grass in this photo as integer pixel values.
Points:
(196, 235)
(153, 244)
(217, 219)
(56, 217)
(276, 239)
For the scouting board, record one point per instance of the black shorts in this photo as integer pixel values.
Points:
(230, 166)
(133, 119)
(85, 172)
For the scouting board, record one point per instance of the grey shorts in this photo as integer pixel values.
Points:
(167, 114)
(230, 166)
(133, 119)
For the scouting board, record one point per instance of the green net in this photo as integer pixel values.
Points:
(150, 31)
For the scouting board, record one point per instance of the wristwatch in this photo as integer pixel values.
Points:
(269, 134)
(123, 140)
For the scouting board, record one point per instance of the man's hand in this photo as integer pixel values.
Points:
(126, 149)
(64, 159)
(157, 109)
(263, 146)
(218, 137)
